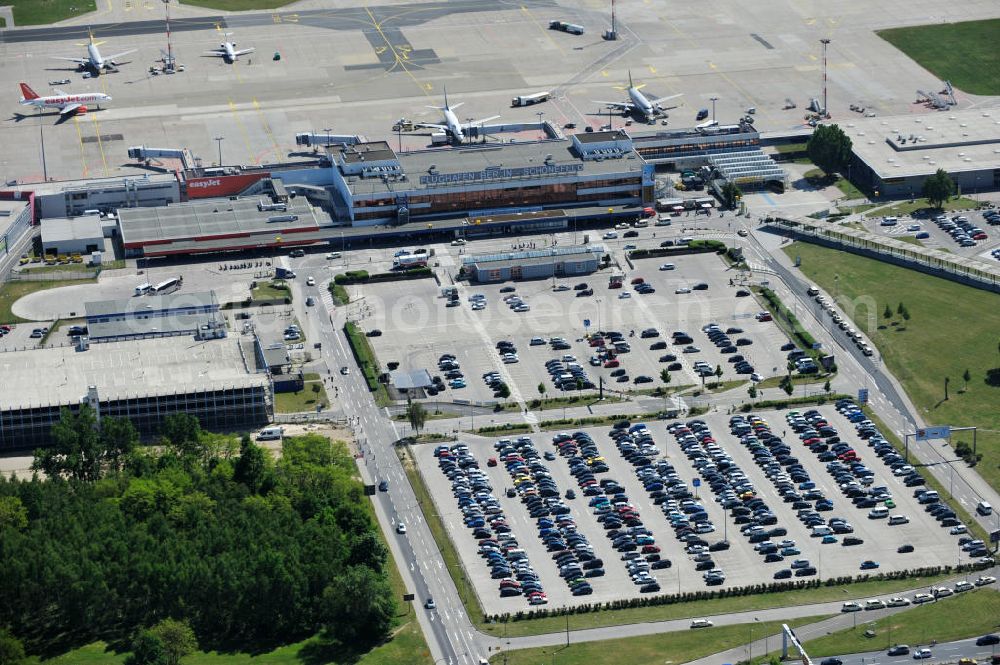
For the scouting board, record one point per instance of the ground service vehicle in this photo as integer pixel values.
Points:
(571, 28)
(528, 100)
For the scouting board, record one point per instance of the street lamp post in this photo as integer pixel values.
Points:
(219, 140)
(714, 99)
(41, 136)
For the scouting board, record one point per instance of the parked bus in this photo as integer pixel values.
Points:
(169, 286)
(143, 289)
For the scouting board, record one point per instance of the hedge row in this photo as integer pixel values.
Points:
(708, 246)
(363, 354)
(794, 401)
(751, 590)
(362, 276)
(780, 310)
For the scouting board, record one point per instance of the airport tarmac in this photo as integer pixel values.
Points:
(357, 70)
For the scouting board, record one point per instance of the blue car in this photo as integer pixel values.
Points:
(830, 539)
(457, 383)
(869, 565)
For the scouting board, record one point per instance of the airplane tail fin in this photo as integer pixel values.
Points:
(630, 84)
(446, 96)
(27, 92)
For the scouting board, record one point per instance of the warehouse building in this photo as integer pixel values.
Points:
(71, 198)
(534, 264)
(77, 235)
(144, 381)
(894, 155)
(15, 219)
(215, 225)
(374, 185)
(155, 316)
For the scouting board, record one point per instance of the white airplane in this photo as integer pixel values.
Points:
(451, 125)
(227, 50)
(94, 60)
(638, 103)
(65, 103)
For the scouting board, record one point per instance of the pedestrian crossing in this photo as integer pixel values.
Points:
(327, 299)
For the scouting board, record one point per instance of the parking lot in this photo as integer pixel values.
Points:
(650, 468)
(947, 233)
(418, 327)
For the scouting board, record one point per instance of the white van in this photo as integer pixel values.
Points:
(812, 291)
(878, 513)
(898, 519)
(984, 508)
(332, 255)
(270, 434)
(889, 221)
(143, 289)
(701, 623)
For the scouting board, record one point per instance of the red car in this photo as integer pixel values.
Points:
(491, 461)
(648, 212)
(611, 363)
(638, 280)
(764, 316)
(650, 549)
(980, 236)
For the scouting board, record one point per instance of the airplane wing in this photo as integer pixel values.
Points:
(69, 108)
(244, 51)
(430, 125)
(667, 98)
(118, 55)
(624, 106)
(484, 120)
(81, 61)
(217, 52)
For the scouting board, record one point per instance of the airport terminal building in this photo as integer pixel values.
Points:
(375, 185)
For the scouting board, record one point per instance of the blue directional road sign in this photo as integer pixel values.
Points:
(696, 482)
(940, 432)
(586, 323)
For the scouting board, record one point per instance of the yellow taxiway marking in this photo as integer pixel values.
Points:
(244, 132)
(83, 155)
(545, 30)
(400, 59)
(267, 129)
(100, 143)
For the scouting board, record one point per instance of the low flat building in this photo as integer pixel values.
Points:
(219, 225)
(75, 235)
(155, 316)
(144, 381)
(533, 264)
(895, 154)
(15, 219)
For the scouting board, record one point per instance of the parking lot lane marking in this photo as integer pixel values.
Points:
(83, 154)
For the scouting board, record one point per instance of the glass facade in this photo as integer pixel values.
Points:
(554, 194)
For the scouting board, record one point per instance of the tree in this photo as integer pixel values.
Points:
(906, 314)
(826, 386)
(119, 439)
(76, 447)
(11, 649)
(417, 415)
(752, 391)
(183, 435)
(541, 389)
(177, 638)
(900, 308)
(718, 373)
(251, 466)
(13, 514)
(887, 314)
(147, 649)
(665, 376)
(359, 606)
(938, 188)
(829, 148)
(966, 376)
(731, 195)
(787, 385)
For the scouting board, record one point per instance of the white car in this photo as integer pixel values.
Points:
(667, 266)
(682, 289)
(560, 287)
(610, 235)
(851, 607)
(310, 282)
(622, 226)
(943, 592)
(962, 585)
(958, 529)
(921, 598)
(985, 579)
(400, 528)
(898, 601)
(755, 377)
(701, 623)
(624, 295)
(874, 604)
